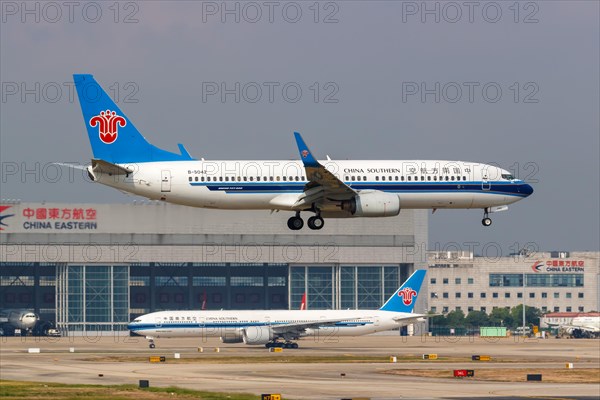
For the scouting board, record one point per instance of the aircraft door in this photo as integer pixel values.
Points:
(485, 183)
(165, 180)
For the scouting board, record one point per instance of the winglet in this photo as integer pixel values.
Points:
(305, 153)
(405, 298)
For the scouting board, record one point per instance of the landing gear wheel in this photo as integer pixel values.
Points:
(315, 222)
(152, 345)
(486, 221)
(295, 223)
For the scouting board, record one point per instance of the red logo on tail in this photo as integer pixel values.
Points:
(109, 123)
(304, 153)
(407, 295)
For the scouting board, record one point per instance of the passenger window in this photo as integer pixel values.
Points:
(409, 178)
(251, 178)
(464, 178)
(446, 177)
(196, 178)
(396, 177)
(271, 178)
(452, 177)
(245, 178)
(190, 178)
(429, 178)
(353, 178)
(284, 178)
(297, 178)
(239, 179)
(422, 178)
(226, 179)
(402, 178)
(278, 179)
(377, 178)
(221, 178)
(364, 178)
(291, 178)
(303, 178)
(390, 178)
(383, 178)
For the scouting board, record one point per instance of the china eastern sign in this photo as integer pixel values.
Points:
(559, 266)
(45, 218)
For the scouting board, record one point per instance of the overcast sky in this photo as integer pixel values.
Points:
(491, 82)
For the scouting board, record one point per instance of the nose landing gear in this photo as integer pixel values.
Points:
(486, 221)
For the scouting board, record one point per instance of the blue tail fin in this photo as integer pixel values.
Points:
(405, 298)
(112, 135)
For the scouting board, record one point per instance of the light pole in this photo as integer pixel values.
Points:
(524, 284)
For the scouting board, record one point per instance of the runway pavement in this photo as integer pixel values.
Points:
(241, 368)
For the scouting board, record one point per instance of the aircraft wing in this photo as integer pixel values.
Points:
(300, 327)
(585, 328)
(322, 184)
(412, 319)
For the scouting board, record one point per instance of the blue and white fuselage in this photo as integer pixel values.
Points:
(125, 160)
(266, 327)
(261, 185)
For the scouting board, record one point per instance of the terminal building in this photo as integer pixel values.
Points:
(553, 282)
(95, 267)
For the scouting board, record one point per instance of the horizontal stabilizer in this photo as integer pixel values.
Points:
(104, 167)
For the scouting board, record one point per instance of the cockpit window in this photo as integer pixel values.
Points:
(137, 320)
(508, 177)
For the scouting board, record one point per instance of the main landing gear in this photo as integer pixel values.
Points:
(486, 221)
(151, 343)
(296, 222)
(283, 345)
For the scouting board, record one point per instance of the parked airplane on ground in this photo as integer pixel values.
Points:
(17, 319)
(125, 160)
(279, 328)
(581, 327)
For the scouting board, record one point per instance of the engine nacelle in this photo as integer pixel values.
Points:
(232, 337)
(258, 335)
(373, 204)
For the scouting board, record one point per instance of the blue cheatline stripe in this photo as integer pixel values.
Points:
(342, 324)
(392, 187)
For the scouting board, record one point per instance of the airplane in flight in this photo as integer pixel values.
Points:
(125, 160)
(580, 327)
(281, 328)
(22, 319)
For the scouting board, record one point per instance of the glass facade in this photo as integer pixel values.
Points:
(92, 297)
(345, 286)
(536, 280)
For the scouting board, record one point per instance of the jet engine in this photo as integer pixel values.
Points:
(232, 337)
(258, 335)
(373, 204)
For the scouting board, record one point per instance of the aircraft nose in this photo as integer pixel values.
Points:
(526, 189)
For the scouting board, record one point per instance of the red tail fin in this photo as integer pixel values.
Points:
(303, 302)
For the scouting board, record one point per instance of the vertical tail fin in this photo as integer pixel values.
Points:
(112, 135)
(303, 302)
(405, 298)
